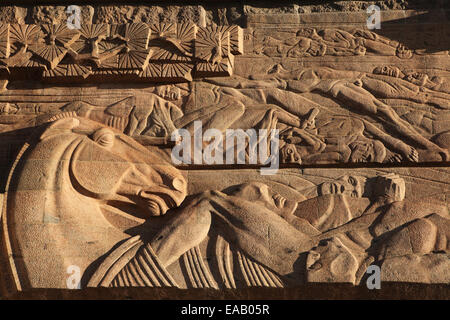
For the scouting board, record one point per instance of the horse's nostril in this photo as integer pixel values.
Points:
(178, 184)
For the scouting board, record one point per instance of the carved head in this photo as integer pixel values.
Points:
(390, 186)
(416, 78)
(289, 153)
(391, 71)
(331, 261)
(308, 33)
(110, 166)
(367, 150)
(169, 92)
(352, 186)
(260, 193)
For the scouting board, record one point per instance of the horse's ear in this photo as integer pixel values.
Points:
(60, 126)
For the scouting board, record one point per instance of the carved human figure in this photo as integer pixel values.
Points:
(340, 205)
(341, 43)
(345, 86)
(377, 44)
(142, 116)
(389, 82)
(331, 41)
(343, 139)
(296, 228)
(128, 190)
(305, 43)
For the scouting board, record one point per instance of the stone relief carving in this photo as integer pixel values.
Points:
(91, 112)
(310, 42)
(375, 130)
(362, 93)
(152, 52)
(85, 193)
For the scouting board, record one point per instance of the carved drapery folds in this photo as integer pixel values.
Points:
(166, 52)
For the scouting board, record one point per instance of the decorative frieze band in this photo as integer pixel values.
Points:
(149, 52)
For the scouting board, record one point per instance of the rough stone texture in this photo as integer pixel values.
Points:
(93, 194)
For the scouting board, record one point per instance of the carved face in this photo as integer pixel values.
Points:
(416, 78)
(289, 154)
(367, 150)
(260, 193)
(168, 92)
(352, 186)
(331, 261)
(114, 168)
(388, 71)
(307, 32)
(390, 186)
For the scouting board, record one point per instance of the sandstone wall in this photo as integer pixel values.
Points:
(344, 120)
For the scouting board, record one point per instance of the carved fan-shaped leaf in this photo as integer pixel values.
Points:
(52, 49)
(4, 40)
(173, 42)
(168, 72)
(236, 39)
(168, 54)
(186, 34)
(73, 70)
(24, 34)
(108, 48)
(32, 62)
(127, 47)
(153, 70)
(91, 31)
(137, 35)
(105, 46)
(61, 33)
(163, 30)
(111, 62)
(88, 32)
(116, 29)
(134, 59)
(68, 70)
(176, 71)
(212, 43)
(222, 69)
(114, 72)
(53, 54)
(80, 46)
(186, 31)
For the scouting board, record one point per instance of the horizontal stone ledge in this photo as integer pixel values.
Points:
(389, 290)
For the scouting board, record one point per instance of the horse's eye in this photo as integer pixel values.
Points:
(104, 137)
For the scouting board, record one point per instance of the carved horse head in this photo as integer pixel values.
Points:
(69, 192)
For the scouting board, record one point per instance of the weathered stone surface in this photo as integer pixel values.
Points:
(94, 194)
